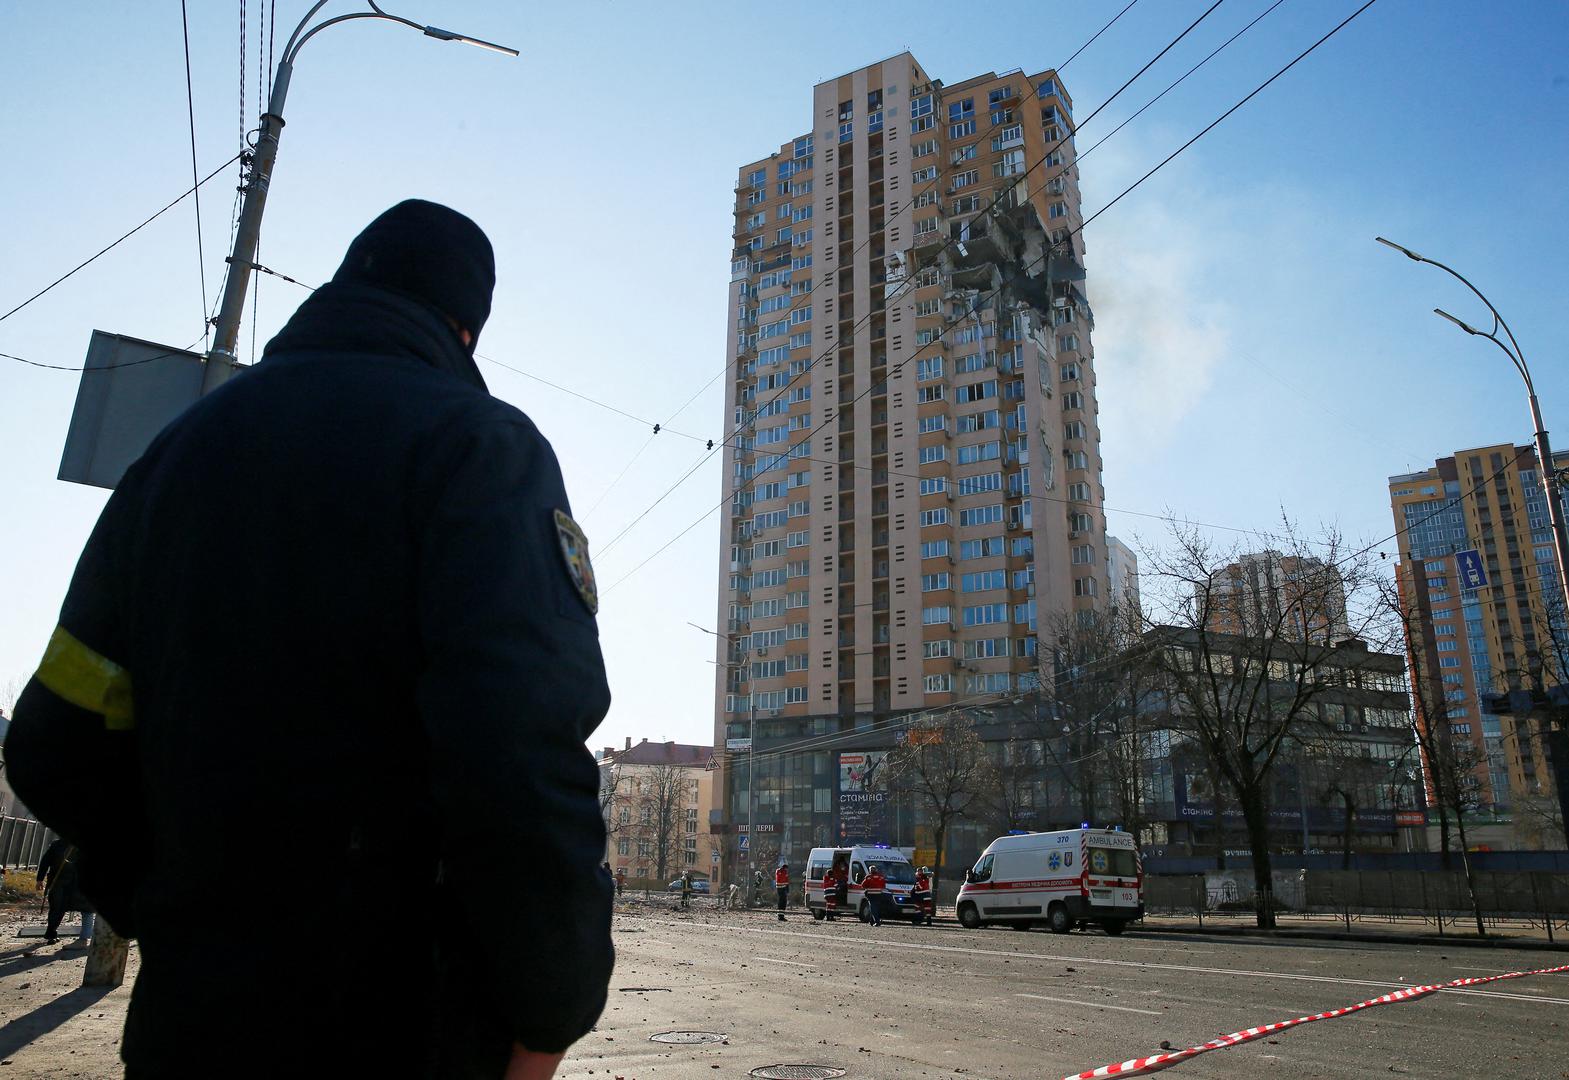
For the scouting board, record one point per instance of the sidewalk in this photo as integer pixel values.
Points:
(1515, 934)
(50, 1026)
(1373, 928)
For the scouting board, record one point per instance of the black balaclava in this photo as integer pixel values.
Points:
(430, 253)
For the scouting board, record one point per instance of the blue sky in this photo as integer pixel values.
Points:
(1255, 349)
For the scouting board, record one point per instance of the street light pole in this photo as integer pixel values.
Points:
(221, 361)
(1550, 486)
(1544, 452)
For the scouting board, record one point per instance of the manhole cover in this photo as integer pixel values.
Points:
(686, 1038)
(797, 1072)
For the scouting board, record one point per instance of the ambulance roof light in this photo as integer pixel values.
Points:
(1084, 825)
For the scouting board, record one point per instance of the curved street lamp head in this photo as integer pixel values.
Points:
(300, 36)
(1407, 252)
(1467, 327)
(447, 35)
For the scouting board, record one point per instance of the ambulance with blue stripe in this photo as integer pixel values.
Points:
(1062, 880)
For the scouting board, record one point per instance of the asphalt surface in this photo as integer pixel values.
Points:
(900, 1001)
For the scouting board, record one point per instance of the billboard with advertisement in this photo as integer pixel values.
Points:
(862, 797)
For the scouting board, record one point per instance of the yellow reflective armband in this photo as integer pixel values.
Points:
(88, 680)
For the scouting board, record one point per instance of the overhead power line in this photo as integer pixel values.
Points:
(1040, 260)
(865, 319)
(105, 367)
(1082, 154)
(190, 109)
(117, 242)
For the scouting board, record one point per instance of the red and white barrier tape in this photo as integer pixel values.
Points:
(1156, 1062)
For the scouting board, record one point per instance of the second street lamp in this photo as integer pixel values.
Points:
(1544, 452)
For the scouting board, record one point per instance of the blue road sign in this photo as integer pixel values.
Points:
(1472, 573)
(745, 845)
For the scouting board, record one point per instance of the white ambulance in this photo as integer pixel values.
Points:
(850, 865)
(1062, 879)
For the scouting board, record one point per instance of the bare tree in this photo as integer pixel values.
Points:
(1246, 644)
(1010, 798)
(1454, 766)
(1084, 699)
(662, 797)
(615, 800)
(945, 767)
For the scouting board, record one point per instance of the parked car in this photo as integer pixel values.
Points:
(699, 885)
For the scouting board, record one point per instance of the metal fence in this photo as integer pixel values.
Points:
(22, 841)
(1533, 898)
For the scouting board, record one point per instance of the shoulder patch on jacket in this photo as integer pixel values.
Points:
(574, 552)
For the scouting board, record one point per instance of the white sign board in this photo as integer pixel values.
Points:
(738, 744)
(129, 392)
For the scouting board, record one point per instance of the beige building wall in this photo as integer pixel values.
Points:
(630, 800)
(835, 565)
(1498, 637)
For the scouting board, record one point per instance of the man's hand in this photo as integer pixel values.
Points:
(529, 1065)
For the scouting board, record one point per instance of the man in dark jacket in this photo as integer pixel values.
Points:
(341, 601)
(60, 881)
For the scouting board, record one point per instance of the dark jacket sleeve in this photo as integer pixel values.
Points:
(511, 687)
(70, 750)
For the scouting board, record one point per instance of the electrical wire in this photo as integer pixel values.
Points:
(105, 367)
(1219, 49)
(865, 320)
(116, 243)
(1098, 33)
(1045, 255)
(817, 742)
(242, 73)
(1214, 123)
(196, 184)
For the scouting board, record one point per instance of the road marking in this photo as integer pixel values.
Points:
(882, 943)
(1088, 1005)
(792, 963)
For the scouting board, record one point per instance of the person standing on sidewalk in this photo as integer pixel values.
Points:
(874, 885)
(782, 887)
(58, 877)
(340, 597)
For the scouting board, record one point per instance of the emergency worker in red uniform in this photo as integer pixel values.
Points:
(782, 887)
(921, 894)
(875, 886)
(830, 892)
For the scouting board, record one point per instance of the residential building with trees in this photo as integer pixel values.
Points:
(657, 799)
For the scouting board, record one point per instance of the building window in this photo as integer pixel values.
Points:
(938, 684)
(935, 616)
(936, 650)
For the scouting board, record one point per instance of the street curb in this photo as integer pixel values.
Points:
(1371, 937)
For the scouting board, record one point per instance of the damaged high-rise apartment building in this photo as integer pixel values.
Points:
(914, 486)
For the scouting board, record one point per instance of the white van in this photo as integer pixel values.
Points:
(854, 862)
(1063, 879)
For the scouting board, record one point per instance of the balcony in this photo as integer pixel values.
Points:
(1013, 135)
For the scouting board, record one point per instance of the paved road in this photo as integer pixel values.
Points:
(899, 1001)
